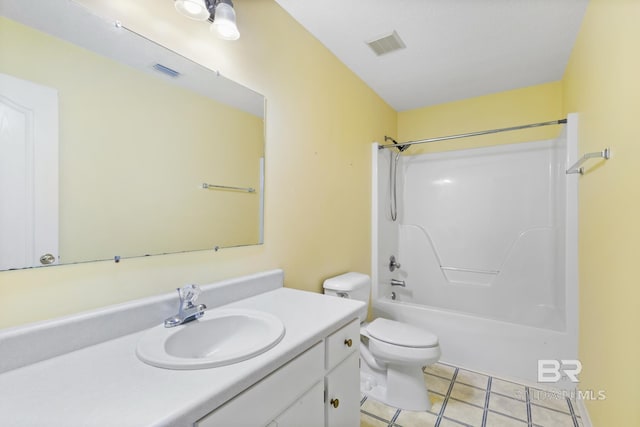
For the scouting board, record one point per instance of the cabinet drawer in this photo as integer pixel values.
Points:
(342, 343)
(263, 401)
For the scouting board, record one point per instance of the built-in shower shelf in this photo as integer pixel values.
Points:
(469, 276)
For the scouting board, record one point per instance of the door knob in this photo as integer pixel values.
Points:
(335, 403)
(348, 342)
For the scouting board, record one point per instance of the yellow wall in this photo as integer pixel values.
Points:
(133, 150)
(533, 104)
(602, 83)
(321, 120)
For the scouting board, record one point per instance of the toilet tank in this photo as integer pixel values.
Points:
(350, 285)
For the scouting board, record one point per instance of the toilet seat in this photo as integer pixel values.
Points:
(401, 334)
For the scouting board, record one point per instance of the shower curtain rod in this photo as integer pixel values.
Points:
(466, 135)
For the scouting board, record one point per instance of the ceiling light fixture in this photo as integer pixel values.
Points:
(219, 12)
(193, 9)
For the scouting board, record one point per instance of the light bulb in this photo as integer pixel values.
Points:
(193, 9)
(224, 22)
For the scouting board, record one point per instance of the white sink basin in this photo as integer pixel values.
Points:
(218, 338)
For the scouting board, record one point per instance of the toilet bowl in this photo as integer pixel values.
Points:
(392, 353)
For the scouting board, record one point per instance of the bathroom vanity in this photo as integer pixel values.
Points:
(83, 369)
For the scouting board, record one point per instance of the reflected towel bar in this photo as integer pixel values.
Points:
(225, 187)
(576, 167)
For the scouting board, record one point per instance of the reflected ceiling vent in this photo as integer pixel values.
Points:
(386, 44)
(166, 70)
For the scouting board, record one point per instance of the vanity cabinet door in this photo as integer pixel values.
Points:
(342, 406)
(308, 411)
(263, 401)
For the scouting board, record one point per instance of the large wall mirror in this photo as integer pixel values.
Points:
(112, 146)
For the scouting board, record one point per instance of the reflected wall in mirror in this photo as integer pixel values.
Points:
(136, 144)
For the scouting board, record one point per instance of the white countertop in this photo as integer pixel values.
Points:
(107, 385)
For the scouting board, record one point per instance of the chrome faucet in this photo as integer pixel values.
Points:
(187, 311)
(396, 282)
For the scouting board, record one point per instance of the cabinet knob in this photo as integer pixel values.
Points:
(335, 403)
(348, 342)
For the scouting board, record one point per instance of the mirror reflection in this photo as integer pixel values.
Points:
(107, 138)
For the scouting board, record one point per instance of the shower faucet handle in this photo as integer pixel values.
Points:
(392, 263)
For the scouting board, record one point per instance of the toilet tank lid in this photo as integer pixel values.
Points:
(347, 282)
(399, 333)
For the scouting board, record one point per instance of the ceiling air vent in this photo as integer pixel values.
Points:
(386, 44)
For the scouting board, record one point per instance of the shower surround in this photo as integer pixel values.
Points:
(487, 242)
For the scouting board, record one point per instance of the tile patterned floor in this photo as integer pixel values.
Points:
(465, 398)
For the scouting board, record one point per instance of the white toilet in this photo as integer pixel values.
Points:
(392, 353)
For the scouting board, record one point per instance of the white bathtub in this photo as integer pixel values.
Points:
(498, 348)
(491, 309)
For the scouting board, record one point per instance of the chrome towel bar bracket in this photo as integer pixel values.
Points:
(577, 166)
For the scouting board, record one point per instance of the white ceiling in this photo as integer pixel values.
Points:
(456, 49)
(74, 23)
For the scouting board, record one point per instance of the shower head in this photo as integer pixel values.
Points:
(400, 147)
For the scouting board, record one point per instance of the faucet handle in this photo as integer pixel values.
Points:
(188, 294)
(393, 264)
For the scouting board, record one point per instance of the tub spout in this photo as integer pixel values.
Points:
(396, 282)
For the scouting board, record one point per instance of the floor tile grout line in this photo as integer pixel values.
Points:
(437, 376)
(527, 397)
(505, 381)
(446, 398)
(485, 410)
(485, 375)
(475, 405)
(395, 417)
(573, 414)
(462, 423)
(508, 416)
(471, 385)
(377, 417)
(551, 409)
(507, 396)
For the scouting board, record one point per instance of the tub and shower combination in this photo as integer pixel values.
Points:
(486, 239)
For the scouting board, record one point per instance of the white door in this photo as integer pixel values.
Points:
(28, 174)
